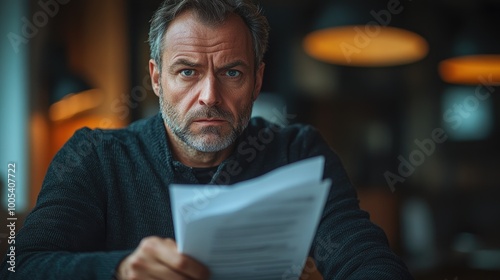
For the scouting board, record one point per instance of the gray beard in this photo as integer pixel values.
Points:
(199, 142)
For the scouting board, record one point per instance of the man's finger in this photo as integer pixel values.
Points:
(181, 263)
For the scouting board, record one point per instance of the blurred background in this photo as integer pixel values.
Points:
(407, 93)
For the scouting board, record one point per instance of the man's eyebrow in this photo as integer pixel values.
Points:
(187, 63)
(183, 62)
(234, 64)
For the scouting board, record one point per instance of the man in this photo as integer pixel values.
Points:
(104, 211)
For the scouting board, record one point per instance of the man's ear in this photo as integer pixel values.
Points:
(259, 75)
(154, 72)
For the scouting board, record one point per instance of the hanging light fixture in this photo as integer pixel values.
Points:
(349, 46)
(471, 69)
(70, 94)
(75, 103)
(475, 57)
(353, 34)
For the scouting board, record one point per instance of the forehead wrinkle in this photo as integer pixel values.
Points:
(198, 54)
(197, 48)
(188, 37)
(181, 39)
(224, 64)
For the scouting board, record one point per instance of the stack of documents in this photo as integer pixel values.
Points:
(257, 229)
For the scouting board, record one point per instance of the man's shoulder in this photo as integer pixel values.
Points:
(260, 126)
(266, 145)
(134, 132)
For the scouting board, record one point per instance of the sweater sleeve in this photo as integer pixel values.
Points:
(347, 244)
(64, 236)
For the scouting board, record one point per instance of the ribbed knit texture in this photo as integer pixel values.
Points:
(105, 190)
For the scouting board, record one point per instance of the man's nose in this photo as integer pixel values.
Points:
(209, 95)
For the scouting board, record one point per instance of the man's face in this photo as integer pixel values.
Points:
(208, 81)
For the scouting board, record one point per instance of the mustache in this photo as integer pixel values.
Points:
(210, 112)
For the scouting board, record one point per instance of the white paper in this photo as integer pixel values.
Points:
(257, 229)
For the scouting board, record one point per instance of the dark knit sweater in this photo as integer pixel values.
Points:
(105, 190)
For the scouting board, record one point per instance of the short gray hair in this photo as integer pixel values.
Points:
(211, 12)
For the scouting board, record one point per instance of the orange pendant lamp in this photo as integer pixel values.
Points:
(475, 57)
(361, 33)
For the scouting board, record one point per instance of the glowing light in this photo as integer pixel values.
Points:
(467, 116)
(471, 70)
(74, 104)
(366, 45)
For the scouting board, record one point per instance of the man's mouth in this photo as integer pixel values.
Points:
(210, 121)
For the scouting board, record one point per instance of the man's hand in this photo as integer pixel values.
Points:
(158, 258)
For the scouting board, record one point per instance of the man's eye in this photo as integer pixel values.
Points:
(187, 73)
(233, 73)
